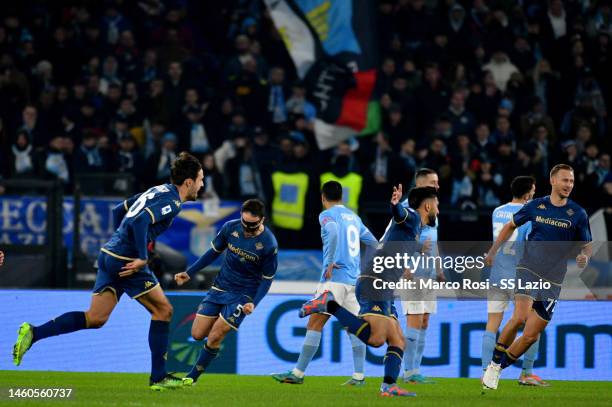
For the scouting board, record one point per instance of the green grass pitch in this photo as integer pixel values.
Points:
(115, 389)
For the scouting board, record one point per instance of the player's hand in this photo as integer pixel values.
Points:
(181, 278)
(397, 195)
(1, 257)
(248, 308)
(330, 269)
(132, 267)
(489, 259)
(582, 260)
(407, 274)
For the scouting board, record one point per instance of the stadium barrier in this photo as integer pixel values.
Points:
(577, 345)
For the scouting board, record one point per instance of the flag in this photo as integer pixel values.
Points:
(332, 44)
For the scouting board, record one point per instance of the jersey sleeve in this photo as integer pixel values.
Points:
(583, 229)
(524, 214)
(366, 236)
(270, 264)
(162, 209)
(219, 243)
(325, 218)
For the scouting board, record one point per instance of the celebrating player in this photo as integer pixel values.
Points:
(377, 323)
(245, 278)
(341, 232)
(555, 219)
(122, 267)
(417, 311)
(504, 268)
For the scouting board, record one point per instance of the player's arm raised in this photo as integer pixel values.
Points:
(400, 214)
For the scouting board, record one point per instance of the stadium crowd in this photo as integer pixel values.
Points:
(480, 91)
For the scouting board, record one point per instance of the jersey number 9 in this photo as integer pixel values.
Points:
(352, 238)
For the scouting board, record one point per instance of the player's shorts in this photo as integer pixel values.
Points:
(135, 285)
(368, 305)
(498, 300)
(420, 307)
(225, 305)
(344, 295)
(544, 299)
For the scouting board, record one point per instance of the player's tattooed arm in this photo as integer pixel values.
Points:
(1, 257)
(504, 235)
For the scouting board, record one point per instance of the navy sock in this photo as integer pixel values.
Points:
(499, 352)
(206, 356)
(355, 325)
(393, 363)
(508, 360)
(158, 343)
(65, 323)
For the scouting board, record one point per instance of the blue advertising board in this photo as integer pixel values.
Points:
(23, 222)
(578, 344)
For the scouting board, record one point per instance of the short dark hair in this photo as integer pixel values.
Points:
(521, 185)
(332, 191)
(184, 167)
(560, 167)
(416, 196)
(423, 172)
(255, 207)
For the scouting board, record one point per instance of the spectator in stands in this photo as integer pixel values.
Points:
(21, 158)
(213, 179)
(158, 164)
(88, 158)
(243, 179)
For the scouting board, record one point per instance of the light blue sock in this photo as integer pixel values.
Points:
(359, 354)
(488, 344)
(309, 348)
(530, 357)
(412, 338)
(420, 349)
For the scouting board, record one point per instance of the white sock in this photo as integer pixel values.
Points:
(297, 373)
(358, 376)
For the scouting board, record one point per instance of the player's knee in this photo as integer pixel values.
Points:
(95, 321)
(197, 334)
(215, 338)
(518, 320)
(376, 341)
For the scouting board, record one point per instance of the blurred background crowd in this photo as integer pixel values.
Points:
(480, 91)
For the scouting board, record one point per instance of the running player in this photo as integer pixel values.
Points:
(245, 278)
(341, 232)
(558, 221)
(523, 189)
(122, 267)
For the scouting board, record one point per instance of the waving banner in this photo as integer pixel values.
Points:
(332, 44)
